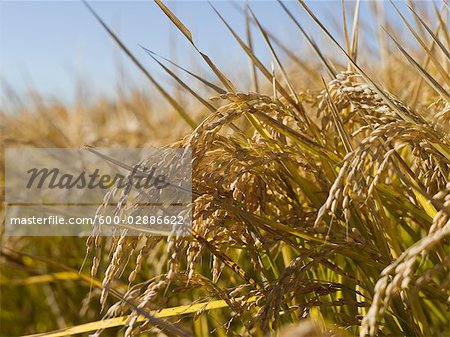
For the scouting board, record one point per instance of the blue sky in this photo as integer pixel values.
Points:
(48, 45)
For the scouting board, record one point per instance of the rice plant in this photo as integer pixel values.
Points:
(321, 206)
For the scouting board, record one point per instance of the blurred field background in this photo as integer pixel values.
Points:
(321, 178)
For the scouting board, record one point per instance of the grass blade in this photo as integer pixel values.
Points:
(427, 77)
(208, 105)
(441, 21)
(226, 82)
(278, 43)
(161, 90)
(326, 63)
(260, 65)
(181, 82)
(250, 45)
(345, 26)
(354, 45)
(60, 276)
(435, 38)
(275, 56)
(214, 87)
(424, 47)
(343, 134)
(399, 110)
(120, 321)
(425, 63)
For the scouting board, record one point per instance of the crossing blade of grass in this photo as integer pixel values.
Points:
(54, 277)
(249, 52)
(432, 44)
(181, 82)
(343, 134)
(214, 87)
(166, 326)
(435, 38)
(173, 102)
(261, 66)
(227, 261)
(383, 49)
(11, 253)
(345, 26)
(443, 149)
(305, 142)
(275, 56)
(427, 77)
(248, 32)
(226, 82)
(268, 224)
(399, 110)
(416, 22)
(282, 46)
(422, 43)
(326, 63)
(208, 105)
(352, 46)
(400, 203)
(121, 321)
(255, 123)
(284, 73)
(417, 187)
(354, 43)
(441, 21)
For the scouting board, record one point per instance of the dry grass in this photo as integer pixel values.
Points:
(330, 203)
